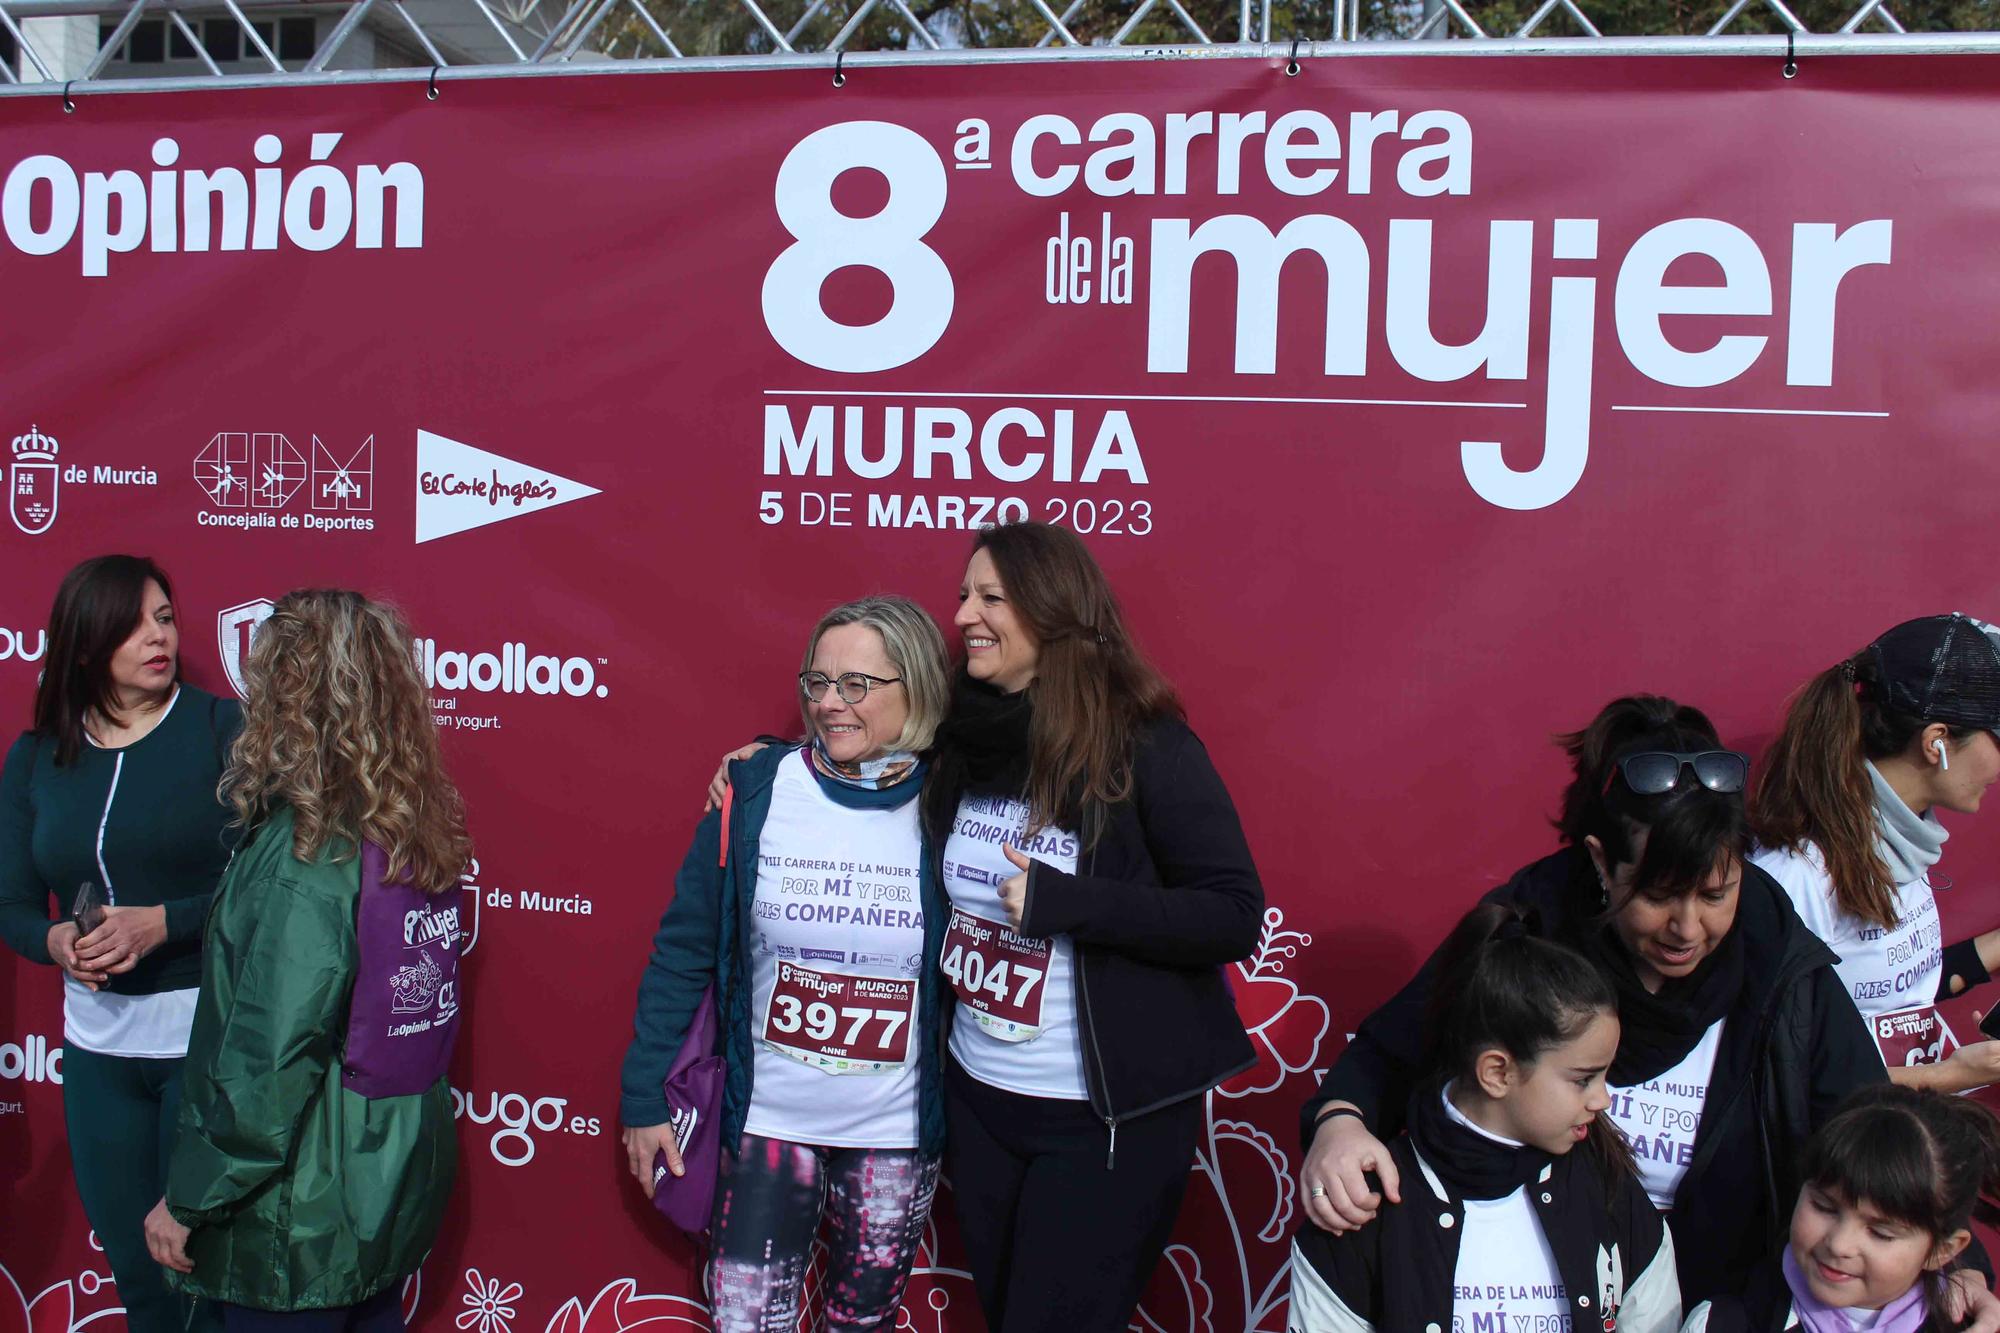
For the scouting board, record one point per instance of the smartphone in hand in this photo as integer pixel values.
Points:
(88, 908)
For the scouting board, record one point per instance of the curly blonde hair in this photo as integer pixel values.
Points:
(336, 725)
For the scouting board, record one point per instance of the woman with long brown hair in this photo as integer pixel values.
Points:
(316, 1148)
(1099, 884)
(1845, 818)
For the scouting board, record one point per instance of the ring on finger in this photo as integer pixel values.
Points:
(1319, 1191)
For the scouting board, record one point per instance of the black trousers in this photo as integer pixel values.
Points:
(1057, 1242)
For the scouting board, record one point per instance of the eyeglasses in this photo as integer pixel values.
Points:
(1652, 772)
(853, 685)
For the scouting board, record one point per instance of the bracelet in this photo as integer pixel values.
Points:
(1328, 1113)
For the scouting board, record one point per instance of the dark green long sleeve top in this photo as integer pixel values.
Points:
(142, 820)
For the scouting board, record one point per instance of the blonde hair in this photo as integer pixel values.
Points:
(912, 641)
(336, 725)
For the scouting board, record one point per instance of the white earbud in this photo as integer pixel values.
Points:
(1943, 758)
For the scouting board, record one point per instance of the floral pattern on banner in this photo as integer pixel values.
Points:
(1243, 1202)
(491, 1304)
(54, 1309)
(1285, 1027)
(1226, 1272)
(617, 1308)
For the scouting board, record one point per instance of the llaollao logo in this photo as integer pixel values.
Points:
(32, 1060)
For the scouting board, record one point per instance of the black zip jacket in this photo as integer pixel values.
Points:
(1397, 1273)
(1793, 1047)
(1166, 897)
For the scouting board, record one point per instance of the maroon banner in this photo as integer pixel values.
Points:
(1416, 407)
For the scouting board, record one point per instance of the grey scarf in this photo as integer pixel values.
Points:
(1908, 843)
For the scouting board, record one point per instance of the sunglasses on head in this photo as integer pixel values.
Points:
(1652, 772)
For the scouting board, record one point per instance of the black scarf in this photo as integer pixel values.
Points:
(985, 736)
(1659, 1028)
(982, 746)
(1469, 1162)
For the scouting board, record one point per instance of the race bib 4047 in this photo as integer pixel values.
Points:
(997, 974)
(839, 1022)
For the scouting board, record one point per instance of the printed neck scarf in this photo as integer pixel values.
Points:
(867, 774)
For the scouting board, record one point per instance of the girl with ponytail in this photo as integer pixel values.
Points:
(1521, 1208)
(1845, 817)
(1883, 1220)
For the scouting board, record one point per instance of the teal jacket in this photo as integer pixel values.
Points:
(705, 939)
(301, 1194)
(142, 819)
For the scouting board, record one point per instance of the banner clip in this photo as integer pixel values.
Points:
(1791, 70)
(68, 105)
(839, 79)
(1292, 64)
(431, 93)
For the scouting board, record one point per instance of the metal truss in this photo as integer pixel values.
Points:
(496, 36)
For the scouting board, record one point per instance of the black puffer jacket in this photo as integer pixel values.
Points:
(1793, 1047)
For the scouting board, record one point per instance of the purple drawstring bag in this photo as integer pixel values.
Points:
(693, 1089)
(403, 1014)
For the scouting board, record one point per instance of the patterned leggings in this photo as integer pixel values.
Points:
(768, 1207)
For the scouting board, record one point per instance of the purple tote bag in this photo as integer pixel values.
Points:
(694, 1101)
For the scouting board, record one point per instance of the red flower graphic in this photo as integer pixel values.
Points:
(1285, 1026)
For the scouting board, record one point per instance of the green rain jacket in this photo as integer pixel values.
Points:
(301, 1193)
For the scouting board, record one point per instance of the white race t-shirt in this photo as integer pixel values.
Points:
(1894, 975)
(1659, 1118)
(837, 952)
(1015, 1024)
(1506, 1276)
(1883, 970)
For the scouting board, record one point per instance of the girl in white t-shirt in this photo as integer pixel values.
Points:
(1501, 1223)
(1845, 817)
(1882, 1221)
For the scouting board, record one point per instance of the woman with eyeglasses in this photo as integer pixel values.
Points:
(1099, 883)
(1845, 817)
(808, 905)
(1737, 1037)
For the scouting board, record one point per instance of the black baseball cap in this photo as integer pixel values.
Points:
(1941, 669)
